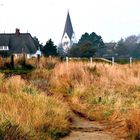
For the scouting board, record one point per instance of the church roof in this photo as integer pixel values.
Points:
(68, 27)
(18, 43)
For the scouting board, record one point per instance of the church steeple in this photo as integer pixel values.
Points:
(68, 26)
(68, 38)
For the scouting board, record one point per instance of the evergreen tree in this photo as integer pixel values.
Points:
(49, 48)
(88, 45)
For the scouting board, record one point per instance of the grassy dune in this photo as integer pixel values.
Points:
(28, 114)
(101, 92)
(41, 105)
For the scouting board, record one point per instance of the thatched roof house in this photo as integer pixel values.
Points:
(18, 43)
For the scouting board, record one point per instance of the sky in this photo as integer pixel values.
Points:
(45, 19)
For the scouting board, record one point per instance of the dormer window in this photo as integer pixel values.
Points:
(65, 37)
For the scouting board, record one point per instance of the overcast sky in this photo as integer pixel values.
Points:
(112, 19)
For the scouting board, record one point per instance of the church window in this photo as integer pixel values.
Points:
(66, 43)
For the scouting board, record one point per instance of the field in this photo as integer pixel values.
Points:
(39, 104)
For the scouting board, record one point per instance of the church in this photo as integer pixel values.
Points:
(68, 37)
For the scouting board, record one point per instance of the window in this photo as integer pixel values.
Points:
(4, 48)
(66, 43)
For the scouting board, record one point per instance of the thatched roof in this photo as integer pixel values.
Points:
(18, 43)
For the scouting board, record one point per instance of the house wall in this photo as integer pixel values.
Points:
(38, 52)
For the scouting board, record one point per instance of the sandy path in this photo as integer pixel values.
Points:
(88, 130)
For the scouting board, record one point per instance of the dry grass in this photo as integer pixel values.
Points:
(26, 113)
(133, 124)
(47, 63)
(97, 91)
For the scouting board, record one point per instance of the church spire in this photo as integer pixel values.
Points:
(68, 38)
(68, 26)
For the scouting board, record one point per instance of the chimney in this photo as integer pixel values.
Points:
(17, 31)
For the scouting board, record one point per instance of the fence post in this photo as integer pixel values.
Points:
(67, 60)
(131, 60)
(24, 59)
(91, 60)
(38, 60)
(12, 61)
(112, 60)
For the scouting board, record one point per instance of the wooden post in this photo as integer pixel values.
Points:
(112, 60)
(131, 60)
(67, 60)
(24, 59)
(38, 60)
(91, 60)
(61, 59)
(50, 57)
(12, 61)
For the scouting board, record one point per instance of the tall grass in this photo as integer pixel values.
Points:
(27, 114)
(99, 91)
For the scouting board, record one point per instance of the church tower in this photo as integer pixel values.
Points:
(68, 37)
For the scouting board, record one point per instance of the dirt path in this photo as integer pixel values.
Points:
(88, 130)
